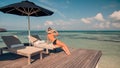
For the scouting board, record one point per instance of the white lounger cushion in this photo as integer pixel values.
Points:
(42, 44)
(39, 42)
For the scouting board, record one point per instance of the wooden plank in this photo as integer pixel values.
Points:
(10, 60)
(79, 58)
(49, 60)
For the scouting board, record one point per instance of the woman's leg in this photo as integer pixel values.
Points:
(64, 47)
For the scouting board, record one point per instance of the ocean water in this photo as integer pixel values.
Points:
(106, 41)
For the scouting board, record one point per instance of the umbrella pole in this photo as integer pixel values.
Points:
(29, 27)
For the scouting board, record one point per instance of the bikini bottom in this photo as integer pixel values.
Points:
(54, 42)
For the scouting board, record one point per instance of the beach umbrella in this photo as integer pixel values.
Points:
(26, 8)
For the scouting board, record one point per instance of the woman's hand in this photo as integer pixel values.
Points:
(55, 32)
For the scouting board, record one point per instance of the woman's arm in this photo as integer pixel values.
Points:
(56, 33)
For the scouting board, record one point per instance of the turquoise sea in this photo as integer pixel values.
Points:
(106, 41)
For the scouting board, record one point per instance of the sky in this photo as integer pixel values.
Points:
(68, 15)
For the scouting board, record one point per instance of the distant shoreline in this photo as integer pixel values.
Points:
(73, 30)
(3, 30)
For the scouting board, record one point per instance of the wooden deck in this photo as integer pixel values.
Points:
(80, 58)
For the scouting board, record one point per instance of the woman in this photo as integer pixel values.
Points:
(52, 38)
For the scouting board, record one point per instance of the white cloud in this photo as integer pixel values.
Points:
(99, 17)
(99, 25)
(86, 20)
(115, 15)
(48, 23)
(102, 25)
(96, 21)
(116, 25)
(64, 23)
(38, 27)
(107, 24)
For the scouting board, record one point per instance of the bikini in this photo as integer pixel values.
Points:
(54, 42)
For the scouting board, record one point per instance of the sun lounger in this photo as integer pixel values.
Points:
(14, 45)
(37, 42)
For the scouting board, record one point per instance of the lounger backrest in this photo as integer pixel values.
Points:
(33, 38)
(10, 40)
(36, 36)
